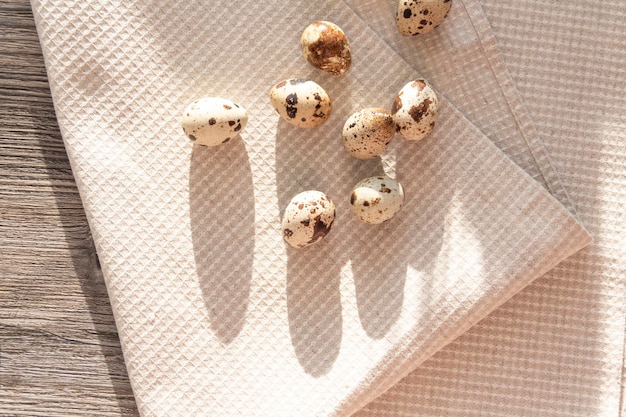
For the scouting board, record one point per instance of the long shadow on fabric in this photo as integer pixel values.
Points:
(379, 255)
(388, 252)
(314, 306)
(222, 230)
(313, 273)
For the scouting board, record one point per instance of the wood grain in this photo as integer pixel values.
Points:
(59, 350)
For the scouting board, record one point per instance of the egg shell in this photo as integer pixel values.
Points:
(326, 47)
(301, 102)
(416, 17)
(414, 110)
(211, 121)
(368, 133)
(376, 199)
(307, 219)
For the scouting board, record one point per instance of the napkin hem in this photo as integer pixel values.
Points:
(518, 109)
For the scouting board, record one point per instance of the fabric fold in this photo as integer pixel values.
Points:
(461, 59)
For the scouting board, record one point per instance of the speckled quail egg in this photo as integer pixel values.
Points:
(211, 121)
(368, 133)
(326, 47)
(301, 102)
(376, 199)
(308, 218)
(414, 110)
(415, 17)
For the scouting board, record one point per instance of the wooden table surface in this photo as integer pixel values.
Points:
(59, 350)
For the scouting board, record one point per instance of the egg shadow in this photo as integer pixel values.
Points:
(314, 306)
(313, 273)
(385, 252)
(221, 201)
(379, 275)
(379, 255)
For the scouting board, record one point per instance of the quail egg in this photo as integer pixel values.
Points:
(415, 17)
(368, 133)
(301, 102)
(326, 47)
(308, 218)
(211, 121)
(376, 199)
(414, 110)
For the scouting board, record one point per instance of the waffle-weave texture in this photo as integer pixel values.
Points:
(555, 349)
(215, 315)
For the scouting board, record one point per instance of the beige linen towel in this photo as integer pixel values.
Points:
(215, 315)
(556, 349)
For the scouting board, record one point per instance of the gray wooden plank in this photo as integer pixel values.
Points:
(59, 350)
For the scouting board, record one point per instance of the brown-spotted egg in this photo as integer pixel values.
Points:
(307, 219)
(376, 199)
(415, 17)
(301, 102)
(414, 110)
(368, 133)
(326, 47)
(211, 121)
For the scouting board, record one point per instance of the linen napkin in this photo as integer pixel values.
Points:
(555, 349)
(215, 315)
